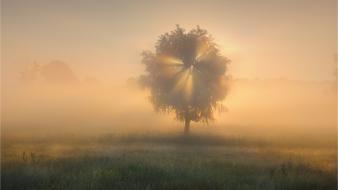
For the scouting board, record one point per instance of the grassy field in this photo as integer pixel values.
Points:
(166, 162)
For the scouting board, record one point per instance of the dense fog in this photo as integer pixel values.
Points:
(52, 99)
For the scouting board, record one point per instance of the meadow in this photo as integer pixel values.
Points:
(96, 95)
(167, 161)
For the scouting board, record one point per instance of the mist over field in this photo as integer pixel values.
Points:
(108, 135)
(152, 95)
(263, 107)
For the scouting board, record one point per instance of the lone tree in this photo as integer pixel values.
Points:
(187, 75)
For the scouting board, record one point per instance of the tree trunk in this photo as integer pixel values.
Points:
(186, 126)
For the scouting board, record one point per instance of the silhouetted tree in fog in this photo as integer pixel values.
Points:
(55, 72)
(58, 72)
(186, 74)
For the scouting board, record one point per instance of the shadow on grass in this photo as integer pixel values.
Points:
(211, 139)
(178, 139)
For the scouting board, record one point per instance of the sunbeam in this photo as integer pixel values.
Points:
(169, 65)
(184, 84)
(169, 60)
(202, 50)
(188, 89)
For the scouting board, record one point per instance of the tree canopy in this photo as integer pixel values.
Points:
(186, 74)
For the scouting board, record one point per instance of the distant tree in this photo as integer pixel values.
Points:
(55, 72)
(58, 72)
(31, 73)
(187, 75)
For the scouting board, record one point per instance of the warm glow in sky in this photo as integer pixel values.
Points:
(293, 39)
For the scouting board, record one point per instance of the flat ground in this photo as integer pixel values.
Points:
(166, 162)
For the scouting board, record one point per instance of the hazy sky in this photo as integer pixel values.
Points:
(293, 39)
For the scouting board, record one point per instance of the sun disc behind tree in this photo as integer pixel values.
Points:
(187, 75)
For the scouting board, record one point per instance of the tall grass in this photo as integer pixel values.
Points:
(191, 163)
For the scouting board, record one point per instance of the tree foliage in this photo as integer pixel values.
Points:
(186, 74)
